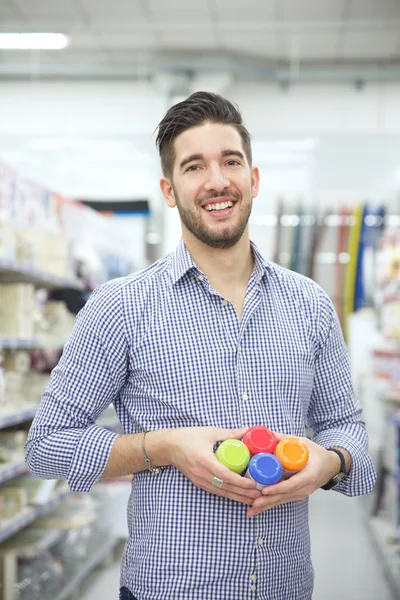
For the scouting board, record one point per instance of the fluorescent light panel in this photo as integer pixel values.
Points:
(33, 41)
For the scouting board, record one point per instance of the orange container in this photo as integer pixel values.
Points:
(293, 454)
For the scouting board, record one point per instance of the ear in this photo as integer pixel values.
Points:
(168, 191)
(255, 181)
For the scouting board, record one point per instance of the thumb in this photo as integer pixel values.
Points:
(231, 434)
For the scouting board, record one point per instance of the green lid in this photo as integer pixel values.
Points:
(233, 454)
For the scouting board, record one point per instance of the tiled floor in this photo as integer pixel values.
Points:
(345, 562)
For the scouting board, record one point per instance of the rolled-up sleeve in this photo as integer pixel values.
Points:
(335, 415)
(64, 441)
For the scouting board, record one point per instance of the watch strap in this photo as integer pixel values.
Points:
(335, 480)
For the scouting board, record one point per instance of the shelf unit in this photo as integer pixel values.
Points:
(11, 419)
(30, 344)
(97, 558)
(16, 549)
(16, 272)
(18, 343)
(388, 550)
(10, 470)
(12, 547)
(27, 516)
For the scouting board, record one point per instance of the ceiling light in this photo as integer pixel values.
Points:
(33, 41)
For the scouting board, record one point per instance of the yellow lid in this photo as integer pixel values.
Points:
(293, 454)
(233, 454)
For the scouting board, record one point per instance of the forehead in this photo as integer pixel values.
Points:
(207, 139)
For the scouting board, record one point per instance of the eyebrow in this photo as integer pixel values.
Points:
(224, 153)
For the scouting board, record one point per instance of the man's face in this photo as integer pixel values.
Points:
(212, 184)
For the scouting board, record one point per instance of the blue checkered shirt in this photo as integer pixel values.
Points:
(168, 351)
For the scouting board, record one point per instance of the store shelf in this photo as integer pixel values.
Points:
(18, 344)
(15, 524)
(10, 419)
(388, 550)
(31, 541)
(15, 272)
(44, 343)
(106, 547)
(11, 470)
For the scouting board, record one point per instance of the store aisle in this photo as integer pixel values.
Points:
(346, 564)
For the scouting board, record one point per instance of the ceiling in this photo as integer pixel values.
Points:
(267, 39)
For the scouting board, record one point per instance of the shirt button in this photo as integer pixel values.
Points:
(253, 588)
(200, 278)
(224, 302)
(260, 541)
(253, 577)
(245, 397)
(240, 348)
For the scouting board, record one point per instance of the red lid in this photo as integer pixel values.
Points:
(260, 439)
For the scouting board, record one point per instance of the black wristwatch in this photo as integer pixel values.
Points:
(342, 473)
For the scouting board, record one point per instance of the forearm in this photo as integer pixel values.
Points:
(127, 457)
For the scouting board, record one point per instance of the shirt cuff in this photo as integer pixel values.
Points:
(362, 476)
(90, 458)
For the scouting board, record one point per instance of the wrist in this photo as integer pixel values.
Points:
(334, 464)
(157, 444)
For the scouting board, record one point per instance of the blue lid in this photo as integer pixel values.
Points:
(265, 468)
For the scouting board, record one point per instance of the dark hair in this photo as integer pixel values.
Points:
(196, 110)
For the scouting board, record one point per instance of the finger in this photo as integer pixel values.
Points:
(232, 489)
(256, 510)
(226, 494)
(229, 434)
(229, 477)
(281, 436)
(288, 486)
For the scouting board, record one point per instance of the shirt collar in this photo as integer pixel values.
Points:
(182, 263)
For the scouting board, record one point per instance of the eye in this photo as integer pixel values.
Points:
(192, 168)
(233, 162)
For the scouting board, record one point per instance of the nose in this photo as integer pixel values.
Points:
(216, 179)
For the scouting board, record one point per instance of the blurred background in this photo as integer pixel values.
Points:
(83, 85)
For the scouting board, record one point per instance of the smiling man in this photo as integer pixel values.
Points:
(195, 349)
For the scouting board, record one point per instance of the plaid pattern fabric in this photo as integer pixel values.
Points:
(169, 352)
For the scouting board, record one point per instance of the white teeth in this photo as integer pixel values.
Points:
(219, 205)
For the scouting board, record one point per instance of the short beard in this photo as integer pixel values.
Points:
(200, 231)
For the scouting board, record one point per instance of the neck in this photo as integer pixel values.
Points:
(223, 267)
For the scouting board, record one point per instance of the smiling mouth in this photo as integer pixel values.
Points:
(218, 206)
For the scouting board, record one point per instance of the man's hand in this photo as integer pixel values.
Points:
(190, 450)
(321, 467)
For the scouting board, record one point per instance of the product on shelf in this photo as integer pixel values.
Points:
(7, 244)
(12, 445)
(47, 252)
(18, 305)
(36, 491)
(12, 502)
(388, 278)
(55, 325)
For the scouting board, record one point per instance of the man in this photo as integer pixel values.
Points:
(195, 349)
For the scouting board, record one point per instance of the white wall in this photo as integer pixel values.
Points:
(96, 140)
